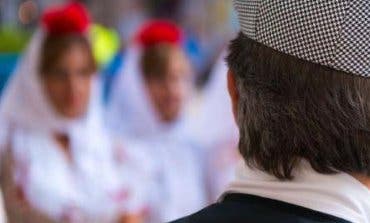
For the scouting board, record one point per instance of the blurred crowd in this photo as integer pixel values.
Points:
(114, 111)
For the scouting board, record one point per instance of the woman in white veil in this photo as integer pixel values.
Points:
(157, 125)
(60, 165)
(130, 113)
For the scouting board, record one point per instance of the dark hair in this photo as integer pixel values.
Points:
(54, 46)
(291, 109)
(154, 60)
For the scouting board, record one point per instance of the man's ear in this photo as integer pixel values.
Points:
(233, 92)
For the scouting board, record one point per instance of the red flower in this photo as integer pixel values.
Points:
(159, 31)
(71, 18)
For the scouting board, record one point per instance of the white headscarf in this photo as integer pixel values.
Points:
(215, 130)
(24, 102)
(52, 184)
(130, 111)
(215, 122)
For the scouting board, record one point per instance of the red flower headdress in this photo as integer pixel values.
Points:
(71, 18)
(159, 31)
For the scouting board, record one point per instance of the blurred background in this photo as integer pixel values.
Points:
(209, 24)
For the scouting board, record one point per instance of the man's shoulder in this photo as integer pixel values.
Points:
(241, 208)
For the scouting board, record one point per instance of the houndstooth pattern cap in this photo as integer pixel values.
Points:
(334, 33)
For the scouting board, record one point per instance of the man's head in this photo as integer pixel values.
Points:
(299, 84)
(289, 109)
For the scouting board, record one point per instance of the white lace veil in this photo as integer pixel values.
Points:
(130, 111)
(25, 104)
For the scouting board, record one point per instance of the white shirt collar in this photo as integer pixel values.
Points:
(338, 195)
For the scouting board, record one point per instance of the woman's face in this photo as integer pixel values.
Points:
(168, 93)
(69, 81)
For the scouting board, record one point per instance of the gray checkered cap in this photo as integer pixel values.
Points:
(334, 33)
